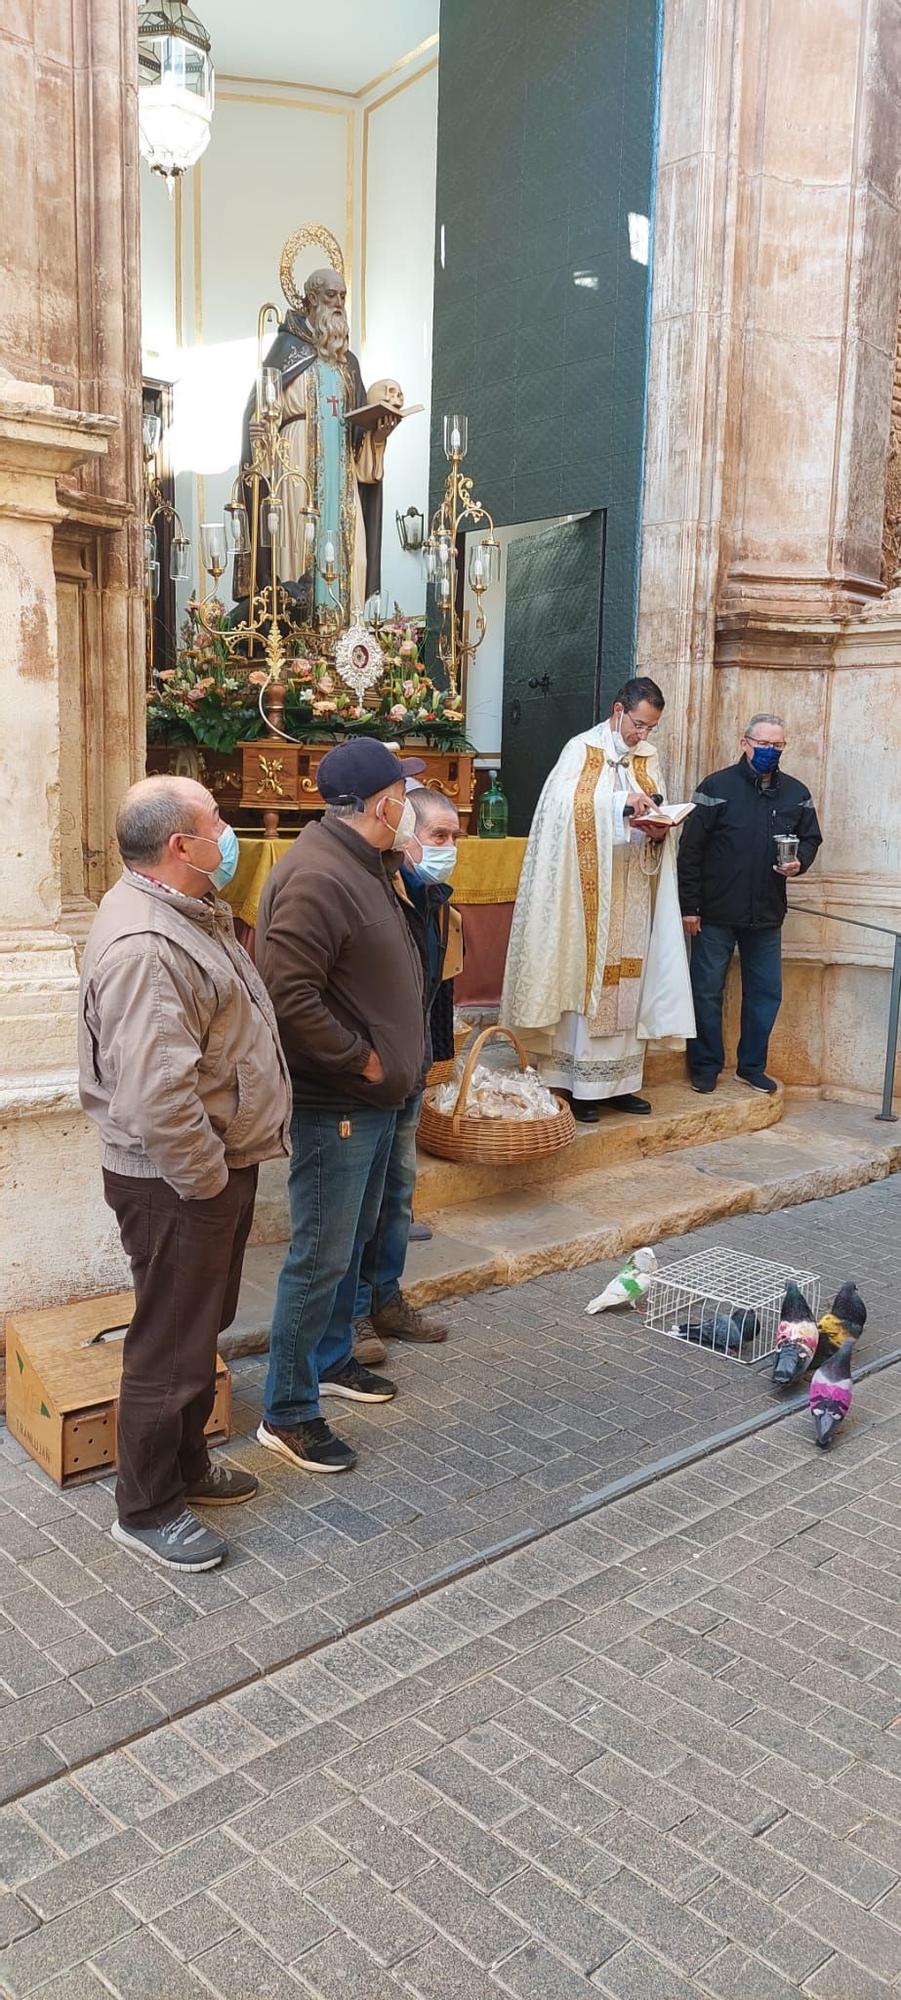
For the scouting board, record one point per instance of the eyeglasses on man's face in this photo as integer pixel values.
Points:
(642, 728)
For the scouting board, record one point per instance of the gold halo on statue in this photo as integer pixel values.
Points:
(309, 232)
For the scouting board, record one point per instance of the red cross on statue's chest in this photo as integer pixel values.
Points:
(332, 402)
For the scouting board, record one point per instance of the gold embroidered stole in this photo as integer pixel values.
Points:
(627, 927)
(587, 855)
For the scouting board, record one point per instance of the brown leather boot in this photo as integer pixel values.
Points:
(368, 1349)
(398, 1320)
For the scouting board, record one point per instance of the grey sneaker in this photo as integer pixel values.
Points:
(181, 1544)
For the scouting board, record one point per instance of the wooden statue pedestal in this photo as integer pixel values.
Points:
(281, 777)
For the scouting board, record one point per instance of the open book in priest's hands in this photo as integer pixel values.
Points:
(660, 816)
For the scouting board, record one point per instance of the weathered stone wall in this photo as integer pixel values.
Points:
(775, 318)
(71, 611)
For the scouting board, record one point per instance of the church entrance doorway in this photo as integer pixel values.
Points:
(552, 652)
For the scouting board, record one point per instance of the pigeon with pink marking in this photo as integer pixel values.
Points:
(797, 1338)
(830, 1394)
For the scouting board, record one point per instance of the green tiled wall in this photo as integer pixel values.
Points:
(546, 121)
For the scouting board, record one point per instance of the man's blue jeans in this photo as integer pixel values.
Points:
(382, 1264)
(760, 957)
(335, 1193)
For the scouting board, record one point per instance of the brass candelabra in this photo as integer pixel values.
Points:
(456, 645)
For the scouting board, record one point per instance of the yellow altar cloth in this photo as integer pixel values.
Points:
(487, 871)
(256, 860)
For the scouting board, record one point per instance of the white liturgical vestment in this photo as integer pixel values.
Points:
(597, 964)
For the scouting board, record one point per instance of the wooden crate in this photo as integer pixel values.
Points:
(62, 1386)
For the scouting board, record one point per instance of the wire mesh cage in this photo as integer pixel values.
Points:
(723, 1300)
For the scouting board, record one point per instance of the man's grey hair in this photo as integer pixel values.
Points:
(346, 809)
(776, 722)
(150, 813)
(427, 802)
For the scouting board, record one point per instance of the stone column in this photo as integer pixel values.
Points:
(775, 299)
(49, 1205)
(70, 318)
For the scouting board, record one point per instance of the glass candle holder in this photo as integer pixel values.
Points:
(180, 559)
(213, 552)
(269, 392)
(237, 527)
(456, 437)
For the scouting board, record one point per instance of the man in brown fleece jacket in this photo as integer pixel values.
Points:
(345, 979)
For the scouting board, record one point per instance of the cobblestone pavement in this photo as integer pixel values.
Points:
(657, 1756)
(506, 1431)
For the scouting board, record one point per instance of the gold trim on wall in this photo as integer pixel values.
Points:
(376, 105)
(285, 103)
(198, 254)
(431, 42)
(330, 90)
(290, 104)
(179, 264)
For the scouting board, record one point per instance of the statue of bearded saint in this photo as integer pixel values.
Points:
(321, 380)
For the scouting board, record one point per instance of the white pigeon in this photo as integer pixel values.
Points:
(628, 1289)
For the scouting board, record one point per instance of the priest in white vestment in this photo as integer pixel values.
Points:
(597, 965)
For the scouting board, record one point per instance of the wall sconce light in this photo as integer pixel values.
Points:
(411, 530)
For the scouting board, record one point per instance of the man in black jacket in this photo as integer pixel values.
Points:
(345, 979)
(732, 892)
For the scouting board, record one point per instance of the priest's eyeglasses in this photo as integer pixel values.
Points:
(643, 728)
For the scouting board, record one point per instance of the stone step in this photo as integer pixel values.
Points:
(679, 1118)
(603, 1212)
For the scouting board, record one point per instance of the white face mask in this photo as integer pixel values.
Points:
(622, 748)
(438, 863)
(402, 833)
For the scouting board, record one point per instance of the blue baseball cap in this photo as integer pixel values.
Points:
(357, 769)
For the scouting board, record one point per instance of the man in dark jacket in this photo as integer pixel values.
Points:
(381, 1311)
(345, 978)
(732, 892)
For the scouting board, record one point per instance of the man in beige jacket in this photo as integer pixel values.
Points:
(181, 1068)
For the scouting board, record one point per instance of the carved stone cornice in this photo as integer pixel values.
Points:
(37, 444)
(755, 639)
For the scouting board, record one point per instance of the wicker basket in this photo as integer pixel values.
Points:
(497, 1142)
(442, 1072)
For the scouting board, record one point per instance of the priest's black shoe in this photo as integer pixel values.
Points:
(638, 1105)
(758, 1080)
(587, 1110)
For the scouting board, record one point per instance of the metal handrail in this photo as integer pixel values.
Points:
(886, 1116)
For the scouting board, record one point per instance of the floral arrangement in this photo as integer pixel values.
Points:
(208, 697)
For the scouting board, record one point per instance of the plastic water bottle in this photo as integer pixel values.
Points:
(493, 811)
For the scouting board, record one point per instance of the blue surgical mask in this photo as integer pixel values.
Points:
(229, 850)
(765, 758)
(438, 863)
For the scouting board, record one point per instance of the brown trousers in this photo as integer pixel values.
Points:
(186, 1259)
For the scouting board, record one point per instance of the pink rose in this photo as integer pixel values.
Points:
(408, 646)
(259, 679)
(325, 684)
(398, 713)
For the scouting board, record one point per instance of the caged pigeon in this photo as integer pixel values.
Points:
(725, 1331)
(797, 1338)
(846, 1321)
(629, 1288)
(830, 1394)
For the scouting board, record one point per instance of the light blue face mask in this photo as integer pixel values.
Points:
(227, 844)
(438, 863)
